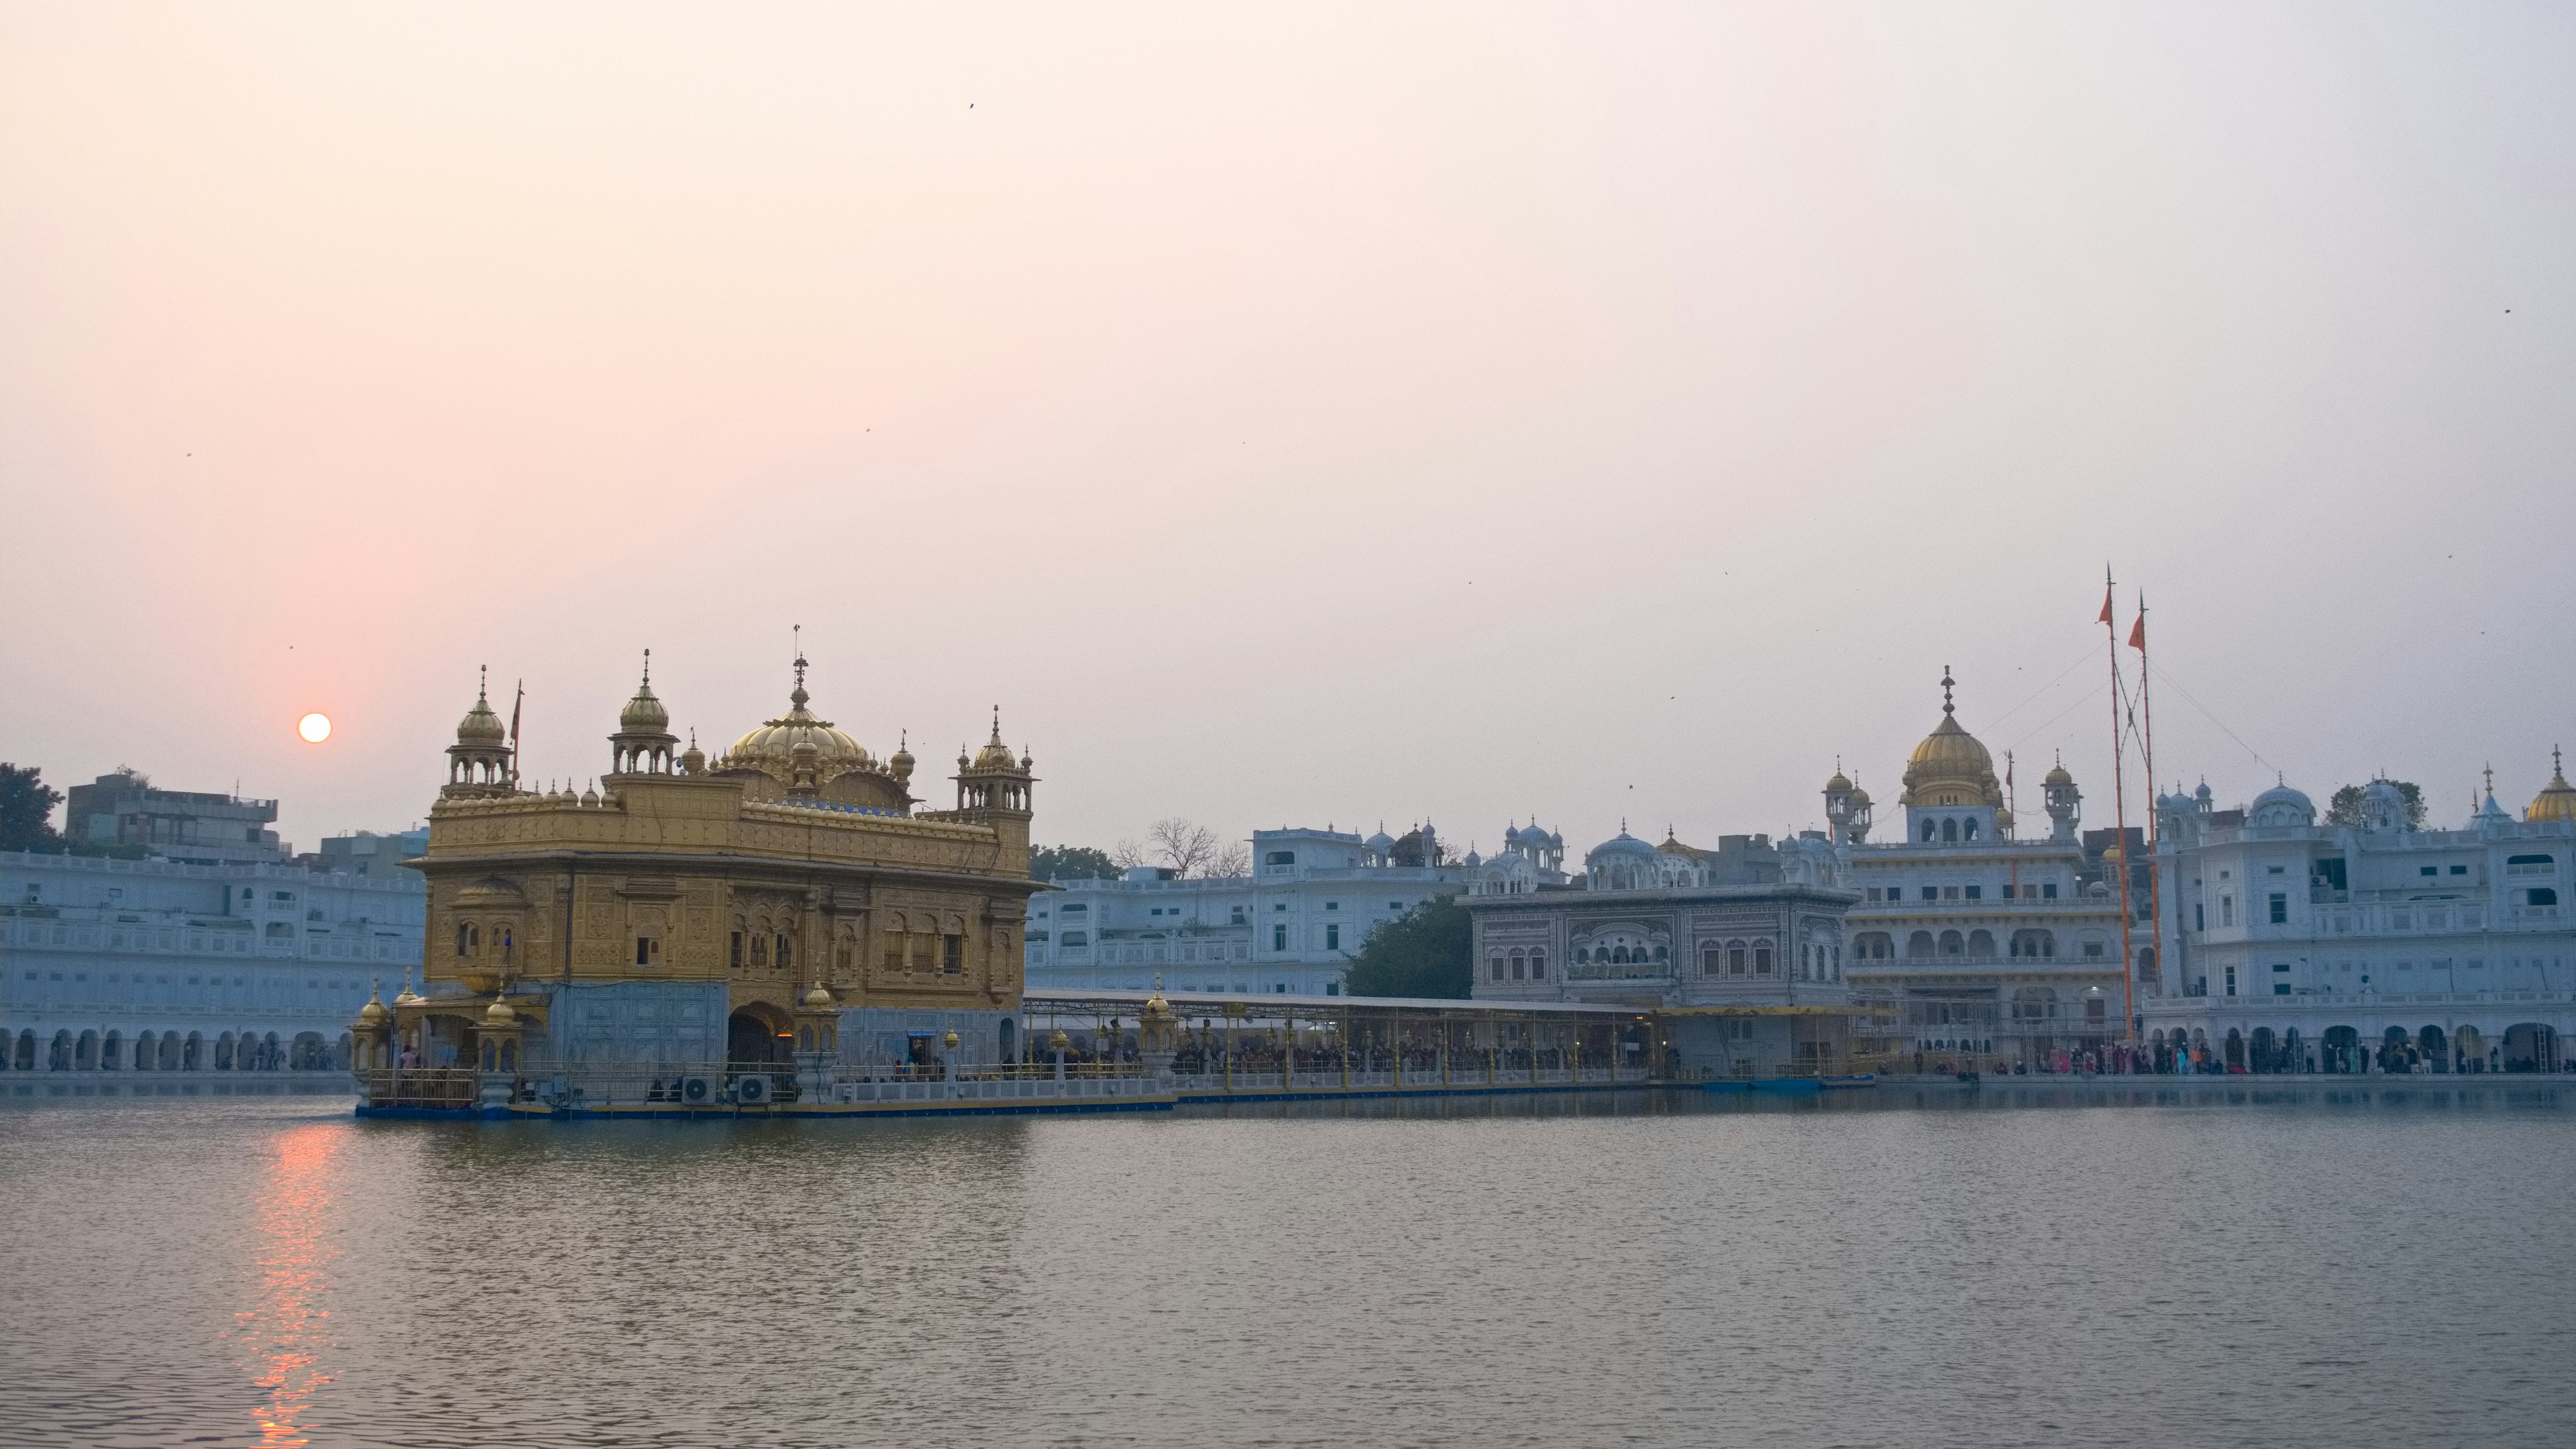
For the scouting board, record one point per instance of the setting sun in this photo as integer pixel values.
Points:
(314, 727)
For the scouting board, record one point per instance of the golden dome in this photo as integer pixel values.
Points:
(644, 713)
(818, 997)
(995, 755)
(1839, 782)
(2058, 776)
(1950, 767)
(771, 748)
(499, 1014)
(374, 1011)
(480, 725)
(949, 1040)
(2557, 799)
(408, 997)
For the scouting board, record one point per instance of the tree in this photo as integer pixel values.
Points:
(1176, 845)
(2349, 808)
(1234, 858)
(1071, 862)
(27, 809)
(1424, 952)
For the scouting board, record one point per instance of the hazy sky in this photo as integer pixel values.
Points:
(1294, 413)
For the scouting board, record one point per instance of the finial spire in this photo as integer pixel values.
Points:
(997, 727)
(482, 683)
(1946, 682)
(2490, 774)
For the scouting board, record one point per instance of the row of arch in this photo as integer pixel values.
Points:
(2528, 1046)
(2028, 944)
(1950, 830)
(1533, 962)
(171, 1051)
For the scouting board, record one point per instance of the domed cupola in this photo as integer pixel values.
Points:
(2557, 799)
(643, 743)
(1951, 793)
(771, 749)
(479, 763)
(2282, 806)
(994, 780)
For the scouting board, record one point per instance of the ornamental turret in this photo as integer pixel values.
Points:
(479, 764)
(643, 744)
(2065, 802)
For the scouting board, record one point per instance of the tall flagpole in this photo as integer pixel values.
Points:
(2120, 821)
(2155, 817)
(520, 699)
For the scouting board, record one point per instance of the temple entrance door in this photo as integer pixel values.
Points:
(751, 1039)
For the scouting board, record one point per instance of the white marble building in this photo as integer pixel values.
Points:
(1996, 951)
(1291, 927)
(152, 965)
(2297, 946)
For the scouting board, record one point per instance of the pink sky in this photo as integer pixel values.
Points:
(1295, 413)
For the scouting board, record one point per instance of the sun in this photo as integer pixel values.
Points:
(314, 727)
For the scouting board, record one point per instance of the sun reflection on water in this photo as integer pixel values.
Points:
(286, 1330)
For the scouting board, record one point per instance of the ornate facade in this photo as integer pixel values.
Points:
(1996, 952)
(784, 900)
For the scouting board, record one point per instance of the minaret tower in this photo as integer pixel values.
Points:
(2065, 802)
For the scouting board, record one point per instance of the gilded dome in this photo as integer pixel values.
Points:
(2058, 776)
(1950, 767)
(2557, 799)
(499, 1014)
(1839, 782)
(374, 1011)
(818, 997)
(995, 755)
(771, 748)
(480, 725)
(644, 713)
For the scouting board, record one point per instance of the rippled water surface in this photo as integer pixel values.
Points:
(2015, 1267)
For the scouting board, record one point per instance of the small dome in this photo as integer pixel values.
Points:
(1859, 796)
(1621, 846)
(1839, 783)
(995, 755)
(2282, 805)
(949, 1039)
(1381, 843)
(818, 998)
(902, 761)
(499, 1014)
(2557, 799)
(374, 1011)
(1951, 763)
(2057, 776)
(409, 997)
(480, 725)
(644, 713)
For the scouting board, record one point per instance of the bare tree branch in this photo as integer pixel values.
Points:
(1232, 859)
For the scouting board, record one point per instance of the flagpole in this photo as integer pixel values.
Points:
(2120, 820)
(2155, 817)
(520, 699)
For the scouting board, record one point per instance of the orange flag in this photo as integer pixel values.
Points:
(2106, 605)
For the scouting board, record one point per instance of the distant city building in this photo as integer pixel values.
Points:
(2296, 946)
(1739, 950)
(192, 827)
(367, 853)
(152, 965)
(1291, 927)
(1994, 950)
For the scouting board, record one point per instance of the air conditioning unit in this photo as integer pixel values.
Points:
(698, 1091)
(751, 1089)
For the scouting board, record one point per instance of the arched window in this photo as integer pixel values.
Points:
(2540, 896)
(1538, 965)
(1737, 963)
(460, 938)
(1712, 961)
(1520, 964)
(1968, 829)
(1918, 945)
(1761, 958)
(1931, 832)
(1949, 831)
(1495, 961)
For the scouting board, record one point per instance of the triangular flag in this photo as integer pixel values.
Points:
(2138, 634)
(2106, 605)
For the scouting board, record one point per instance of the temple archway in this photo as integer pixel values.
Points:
(758, 1034)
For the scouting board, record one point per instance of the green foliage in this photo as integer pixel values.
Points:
(26, 809)
(1070, 862)
(2349, 810)
(1424, 952)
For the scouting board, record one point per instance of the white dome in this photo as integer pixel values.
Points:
(2281, 805)
(1622, 846)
